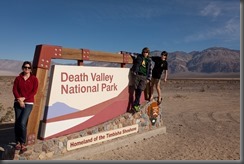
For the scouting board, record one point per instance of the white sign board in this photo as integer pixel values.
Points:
(82, 96)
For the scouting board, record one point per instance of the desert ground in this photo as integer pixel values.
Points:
(202, 119)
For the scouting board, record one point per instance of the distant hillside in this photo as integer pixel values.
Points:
(215, 60)
(10, 67)
(209, 61)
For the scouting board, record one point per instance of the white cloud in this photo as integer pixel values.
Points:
(217, 9)
(232, 26)
(229, 31)
(212, 9)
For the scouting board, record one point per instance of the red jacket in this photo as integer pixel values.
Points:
(25, 88)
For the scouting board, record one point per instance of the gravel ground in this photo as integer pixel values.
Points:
(202, 118)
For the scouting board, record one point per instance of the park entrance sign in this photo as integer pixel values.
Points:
(80, 97)
(43, 114)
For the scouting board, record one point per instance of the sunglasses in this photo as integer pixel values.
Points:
(27, 67)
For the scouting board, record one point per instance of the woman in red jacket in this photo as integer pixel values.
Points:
(24, 89)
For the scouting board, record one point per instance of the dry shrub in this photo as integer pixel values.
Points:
(9, 116)
(202, 89)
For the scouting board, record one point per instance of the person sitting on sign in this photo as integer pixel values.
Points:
(142, 73)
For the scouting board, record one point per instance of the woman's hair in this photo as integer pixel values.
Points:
(146, 49)
(26, 62)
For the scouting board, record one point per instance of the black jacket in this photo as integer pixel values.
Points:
(138, 61)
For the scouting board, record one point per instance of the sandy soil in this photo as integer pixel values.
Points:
(6, 97)
(202, 119)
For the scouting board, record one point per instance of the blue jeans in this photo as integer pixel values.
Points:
(21, 119)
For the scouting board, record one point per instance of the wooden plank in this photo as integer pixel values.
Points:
(38, 107)
(76, 54)
(71, 54)
(106, 57)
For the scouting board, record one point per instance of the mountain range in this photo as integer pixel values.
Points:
(214, 60)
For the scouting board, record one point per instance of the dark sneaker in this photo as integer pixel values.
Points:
(136, 108)
(160, 101)
(17, 146)
(23, 148)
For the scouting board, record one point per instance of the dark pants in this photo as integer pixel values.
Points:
(137, 97)
(140, 85)
(21, 118)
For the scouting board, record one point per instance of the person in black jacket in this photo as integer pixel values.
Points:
(160, 67)
(141, 71)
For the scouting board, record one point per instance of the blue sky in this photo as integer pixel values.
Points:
(113, 25)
